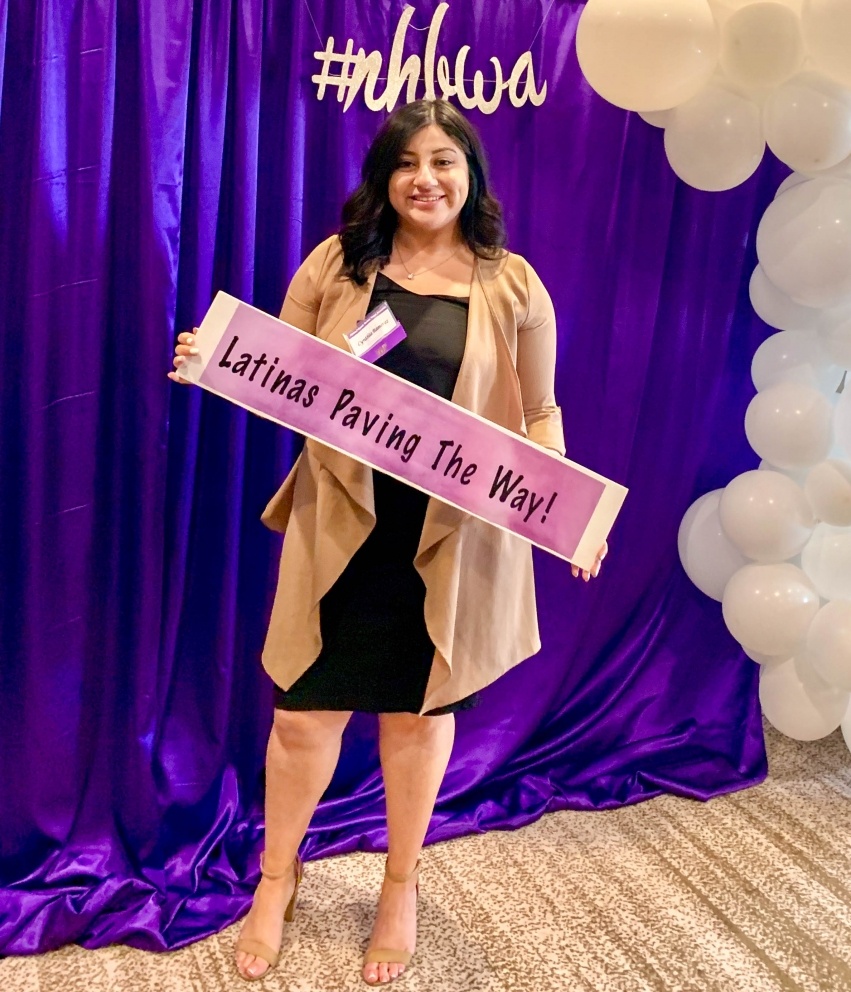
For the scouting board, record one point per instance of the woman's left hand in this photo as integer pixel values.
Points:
(601, 554)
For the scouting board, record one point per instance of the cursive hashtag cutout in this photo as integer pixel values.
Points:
(330, 58)
(349, 73)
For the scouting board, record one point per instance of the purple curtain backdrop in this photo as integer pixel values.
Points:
(155, 151)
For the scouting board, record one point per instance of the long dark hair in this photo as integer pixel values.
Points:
(369, 221)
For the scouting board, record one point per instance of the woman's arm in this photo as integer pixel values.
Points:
(536, 365)
(301, 304)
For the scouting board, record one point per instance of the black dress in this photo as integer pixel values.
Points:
(376, 653)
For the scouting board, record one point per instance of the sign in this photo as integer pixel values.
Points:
(325, 393)
(358, 71)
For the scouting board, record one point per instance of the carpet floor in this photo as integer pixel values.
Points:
(748, 893)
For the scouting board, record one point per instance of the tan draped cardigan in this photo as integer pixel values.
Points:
(480, 596)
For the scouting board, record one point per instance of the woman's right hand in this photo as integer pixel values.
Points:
(183, 349)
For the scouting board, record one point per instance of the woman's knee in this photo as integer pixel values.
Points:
(414, 726)
(308, 729)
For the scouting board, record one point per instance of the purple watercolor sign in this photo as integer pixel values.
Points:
(347, 403)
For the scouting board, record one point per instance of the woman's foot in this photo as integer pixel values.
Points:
(395, 926)
(265, 921)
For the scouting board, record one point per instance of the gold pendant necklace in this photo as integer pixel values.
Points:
(430, 268)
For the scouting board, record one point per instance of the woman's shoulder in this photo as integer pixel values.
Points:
(513, 273)
(327, 255)
(318, 270)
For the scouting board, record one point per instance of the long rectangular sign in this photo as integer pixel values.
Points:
(310, 386)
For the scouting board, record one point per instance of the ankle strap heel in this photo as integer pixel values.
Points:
(294, 866)
(248, 945)
(396, 877)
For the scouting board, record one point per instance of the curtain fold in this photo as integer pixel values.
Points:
(152, 153)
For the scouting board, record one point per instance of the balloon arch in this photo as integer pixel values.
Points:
(725, 78)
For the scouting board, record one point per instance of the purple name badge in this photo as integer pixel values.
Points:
(376, 334)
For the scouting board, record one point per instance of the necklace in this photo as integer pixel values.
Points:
(423, 271)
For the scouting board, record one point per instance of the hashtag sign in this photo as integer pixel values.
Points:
(329, 58)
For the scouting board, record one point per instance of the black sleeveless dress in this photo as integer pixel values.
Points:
(376, 653)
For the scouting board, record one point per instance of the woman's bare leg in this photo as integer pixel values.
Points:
(303, 750)
(414, 754)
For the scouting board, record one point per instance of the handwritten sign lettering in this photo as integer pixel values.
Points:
(385, 422)
(361, 72)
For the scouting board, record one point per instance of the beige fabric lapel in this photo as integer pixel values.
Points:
(352, 475)
(487, 384)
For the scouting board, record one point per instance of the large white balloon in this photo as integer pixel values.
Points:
(769, 608)
(708, 557)
(766, 515)
(714, 141)
(798, 476)
(793, 179)
(776, 308)
(841, 171)
(656, 118)
(828, 490)
(804, 242)
(761, 44)
(790, 425)
(647, 54)
(723, 9)
(808, 122)
(846, 728)
(798, 702)
(842, 421)
(826, 561)
(827, 30)
(829, 643)
(834, 329)
(763, 659)
(793, 356)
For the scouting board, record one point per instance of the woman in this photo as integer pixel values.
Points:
(389, 601)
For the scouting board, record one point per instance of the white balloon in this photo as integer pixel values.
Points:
(798, 703)
(842, 421)
(656, 118)
(827, 29)
(708, 557)
(769, 608)
(826, 561)
(766, 515)
(723, 9)
(841, 171)
(795, 179)
(828, 490)
(764, 659)
(776, 308)
(714, 141)
(761, 44)
(790, 425)
(846, 727)
(808, 122)
(648, 55)
(834, 330)
(804, 242)
(829, 644)
(798, 476)
(793, 356)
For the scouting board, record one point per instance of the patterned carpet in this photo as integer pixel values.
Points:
(747, 893)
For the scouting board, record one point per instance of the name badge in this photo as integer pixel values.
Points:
(376, 334)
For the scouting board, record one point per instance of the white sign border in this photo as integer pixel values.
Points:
(214, 325)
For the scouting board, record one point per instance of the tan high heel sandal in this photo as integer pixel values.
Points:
(392, 955)
(248, 945)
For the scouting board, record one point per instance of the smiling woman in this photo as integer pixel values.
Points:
(382, 603)
(424, 207)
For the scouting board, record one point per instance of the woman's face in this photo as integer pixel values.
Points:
(429, 185)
